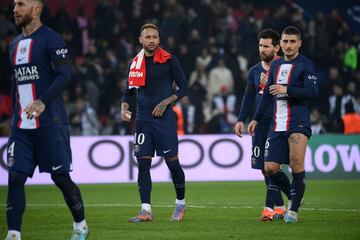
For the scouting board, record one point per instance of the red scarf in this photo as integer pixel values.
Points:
(137, 73)
(261, 85)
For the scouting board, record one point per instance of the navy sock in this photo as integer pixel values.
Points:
(71, 195)
(144, 179)
(282, 181)
(15, 200)
(297, 191)
(273, 194)
(178, 178)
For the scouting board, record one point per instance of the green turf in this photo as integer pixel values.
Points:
(216, 210)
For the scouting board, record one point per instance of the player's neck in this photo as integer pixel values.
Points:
(290, 58)
(265, 65)
(32, 27)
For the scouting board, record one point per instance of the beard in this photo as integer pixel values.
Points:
(150, 49)
(24, 21)
(266, 58)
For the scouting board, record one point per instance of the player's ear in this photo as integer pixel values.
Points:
(300, 43)
(277, 48)
(140, 41)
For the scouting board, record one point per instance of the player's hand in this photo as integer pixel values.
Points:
(263, 78)
(125, 115)
(34, 109)
(160, 108)
(251, 127)
(239, 128)
(277, 89)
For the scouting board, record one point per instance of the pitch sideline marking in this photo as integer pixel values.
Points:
(189, 206)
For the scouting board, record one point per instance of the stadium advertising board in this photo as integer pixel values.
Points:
(204, 158)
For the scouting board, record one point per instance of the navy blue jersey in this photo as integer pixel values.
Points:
(159, 86)
(250, 95)
(290, 112)
(41, 71)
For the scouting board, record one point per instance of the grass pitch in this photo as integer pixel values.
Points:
(215, 210)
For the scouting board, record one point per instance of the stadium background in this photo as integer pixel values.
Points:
(102, 37)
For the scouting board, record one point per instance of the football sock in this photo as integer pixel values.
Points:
(178, 178)
(180, 202)
(12, 233)
(272, 194)
(80, 225)
(297, 191)
(71, 195)
(144, 179)
(282, 181)
(146, 206)
(15, 200)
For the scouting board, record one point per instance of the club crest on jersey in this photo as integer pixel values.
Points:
(137, 148)
(284, 72)
(10, 162)
(23, 50)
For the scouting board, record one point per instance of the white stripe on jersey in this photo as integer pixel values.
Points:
(26, 96)
(282, 114)
(23, 52)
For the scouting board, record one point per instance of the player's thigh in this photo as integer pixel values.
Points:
(53, 149)
(297, 149)
(166, 139)
(144, 142)
(258, 147)
(20, 151)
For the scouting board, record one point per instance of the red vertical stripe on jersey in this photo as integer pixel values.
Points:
(288, 116)
(15, 52)
(34, 98)
(30, 50)
(276, 78)
(20, 110)
(288, 102)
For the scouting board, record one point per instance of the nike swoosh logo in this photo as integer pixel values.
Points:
(56, 168)
(166, 151)
(20, 59)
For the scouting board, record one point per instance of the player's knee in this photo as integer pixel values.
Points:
(144, 164)
(171, 158)
(17, 178)
(271, 169)
(61, 179)
(296, 164)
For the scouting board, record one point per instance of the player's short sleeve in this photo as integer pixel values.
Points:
(56, 49)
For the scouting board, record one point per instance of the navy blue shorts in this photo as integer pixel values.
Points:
(277, 146)
(46, 147)
(258, 146)
(158, 135)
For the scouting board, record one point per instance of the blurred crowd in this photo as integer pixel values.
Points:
(216, 43)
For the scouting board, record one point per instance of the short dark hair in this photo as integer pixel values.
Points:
(40, 1)
(149, 25)
(291, 30)
(270, 33)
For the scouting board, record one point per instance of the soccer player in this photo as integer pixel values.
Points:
(152, 73)
(292, 81)
(269, 41)
(39, 127)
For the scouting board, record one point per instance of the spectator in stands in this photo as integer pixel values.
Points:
(219, 76)
(351, 120)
